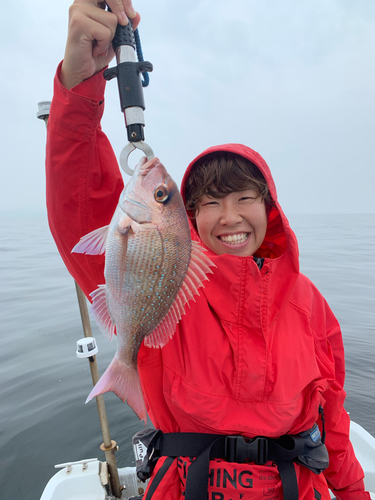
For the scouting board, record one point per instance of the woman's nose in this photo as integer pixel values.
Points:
(230, 216)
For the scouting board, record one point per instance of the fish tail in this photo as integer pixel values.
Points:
(124, 382)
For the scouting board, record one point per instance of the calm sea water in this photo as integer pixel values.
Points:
(43, 386)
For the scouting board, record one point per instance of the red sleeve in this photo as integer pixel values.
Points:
(82, 176)
(83, 187)
(344, 474)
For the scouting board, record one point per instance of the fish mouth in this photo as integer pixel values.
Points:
(146, 166)
(135, 203)
(135, 209)
(234, 239)
(135, 200)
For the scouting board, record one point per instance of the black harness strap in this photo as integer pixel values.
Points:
(197, 478)
(288, 479)
(232, 449)
(159, 476)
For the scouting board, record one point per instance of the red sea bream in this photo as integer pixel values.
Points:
(152, 269)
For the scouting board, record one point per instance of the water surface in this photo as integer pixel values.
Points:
(43, 386)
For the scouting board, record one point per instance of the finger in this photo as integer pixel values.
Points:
(136, 20)
(102, 4)
(123, 9)
(101, 43)
(118, 8)
(105, 58)
(129, 9)
(88, 21)
(77, 13)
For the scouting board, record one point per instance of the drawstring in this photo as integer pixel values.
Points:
(321, 411)
(138, 46)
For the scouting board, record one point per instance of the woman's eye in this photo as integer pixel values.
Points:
(247, 198)
(206, 201)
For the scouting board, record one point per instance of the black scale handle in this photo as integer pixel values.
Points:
(128, 74)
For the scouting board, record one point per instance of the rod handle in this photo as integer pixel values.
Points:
(124, 35)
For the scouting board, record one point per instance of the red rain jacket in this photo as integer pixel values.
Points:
(256, 354)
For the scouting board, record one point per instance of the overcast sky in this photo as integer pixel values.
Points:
(294, 80)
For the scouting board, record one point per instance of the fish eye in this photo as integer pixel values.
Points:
(161, 194)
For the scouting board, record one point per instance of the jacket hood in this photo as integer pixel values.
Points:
(279, 248)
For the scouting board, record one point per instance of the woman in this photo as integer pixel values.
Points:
(260, 352)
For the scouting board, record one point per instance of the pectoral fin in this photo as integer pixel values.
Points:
(101, 312)
(93, 243)
(199, 267)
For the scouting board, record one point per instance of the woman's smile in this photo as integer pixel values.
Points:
(235, 224)
(234, 239)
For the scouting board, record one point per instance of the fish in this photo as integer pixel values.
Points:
(152, 270)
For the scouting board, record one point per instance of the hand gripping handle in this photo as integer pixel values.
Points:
(124, 36)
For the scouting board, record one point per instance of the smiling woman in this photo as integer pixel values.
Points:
(219, 174)
(235, 224)
(228, 200)
(258, 323)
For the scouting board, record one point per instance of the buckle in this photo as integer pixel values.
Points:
(238, 450)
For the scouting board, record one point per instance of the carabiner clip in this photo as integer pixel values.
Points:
(131, 146)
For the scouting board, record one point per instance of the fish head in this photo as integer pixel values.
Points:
(151, 193)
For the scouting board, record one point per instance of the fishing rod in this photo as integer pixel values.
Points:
(87, 348)
(126, 45)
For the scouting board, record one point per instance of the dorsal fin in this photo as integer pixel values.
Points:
(101, 312)
(92, 243)
(199, 267)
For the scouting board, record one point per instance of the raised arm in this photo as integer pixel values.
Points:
(82, 175)
(91, 30)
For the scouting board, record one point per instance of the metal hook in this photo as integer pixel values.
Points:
(131, 146)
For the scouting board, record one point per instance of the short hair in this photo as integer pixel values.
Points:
(221, 173)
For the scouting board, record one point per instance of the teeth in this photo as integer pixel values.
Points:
(235, 239)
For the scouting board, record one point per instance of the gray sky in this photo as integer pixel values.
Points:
(293, 80)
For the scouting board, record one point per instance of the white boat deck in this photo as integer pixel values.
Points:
(86, 480)
(364, 447)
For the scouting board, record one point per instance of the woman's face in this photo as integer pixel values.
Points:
(235, 224)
